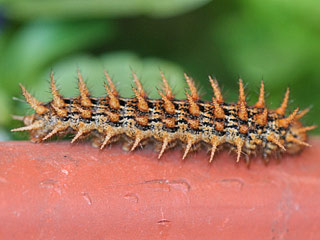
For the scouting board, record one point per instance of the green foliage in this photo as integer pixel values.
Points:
(27, 9)
(120, 66)
(274, 40)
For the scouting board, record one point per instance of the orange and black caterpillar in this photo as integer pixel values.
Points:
(168, 121)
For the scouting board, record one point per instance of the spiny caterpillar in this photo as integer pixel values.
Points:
(168, 121)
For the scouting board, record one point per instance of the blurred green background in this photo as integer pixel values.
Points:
(277, 41)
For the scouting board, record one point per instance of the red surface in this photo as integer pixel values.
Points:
(58, 191)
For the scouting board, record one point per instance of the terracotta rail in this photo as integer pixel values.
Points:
(58, 191)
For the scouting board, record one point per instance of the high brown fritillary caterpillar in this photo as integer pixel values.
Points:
(168, 121)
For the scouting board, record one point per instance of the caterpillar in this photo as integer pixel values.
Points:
(190, 122)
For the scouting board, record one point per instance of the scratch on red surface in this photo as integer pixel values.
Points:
(87, 198)
(230, 182)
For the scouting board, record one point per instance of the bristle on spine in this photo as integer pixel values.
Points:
(34, 103)
(243, 114)
(166, 87)
(84, 92)
(260, 103)
(282, 109)
(216, 90)
(193, 89)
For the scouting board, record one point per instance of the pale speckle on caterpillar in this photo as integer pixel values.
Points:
(167, 121)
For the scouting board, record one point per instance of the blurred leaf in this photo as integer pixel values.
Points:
(4, 136)
(38, 44)
(5, 107)
(119, 67)
(267, 41)
(98, 8)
